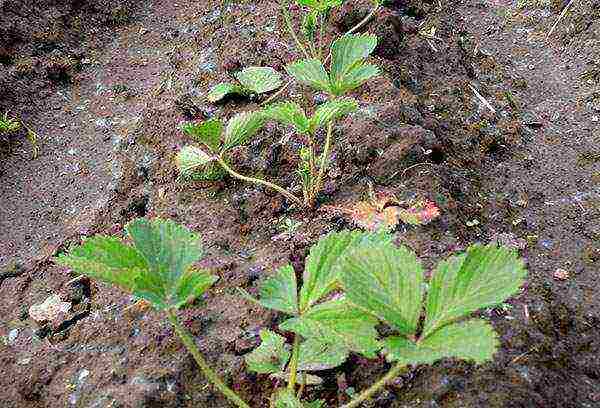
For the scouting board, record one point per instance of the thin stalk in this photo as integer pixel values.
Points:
(290, 28)
(324, 159)
(275, 187)
(294, 363)
(372, 390)
(208, 372)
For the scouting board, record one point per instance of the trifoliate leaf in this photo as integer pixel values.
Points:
(332, 110)
(241, 128)
(320, 275)
(318, 354)
(348, 52)
(473, 340)
(386, 281)
(220, 91)
(259, 79)
(355, 78)
(279, 292)
(271, 356)
(192, 284)
(169, 250)
(106, 259)
(191, 159)
(484, 276)
(309, 72)
(208, 132)
(340, 322)
(288, 113)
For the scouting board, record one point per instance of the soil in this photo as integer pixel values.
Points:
(106, 84)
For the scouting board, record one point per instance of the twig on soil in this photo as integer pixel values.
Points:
(560, 17)
(482, 99)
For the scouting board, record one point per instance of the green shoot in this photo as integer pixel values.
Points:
(9, 126)
(157, 267)
(355, 281)
(252, 80)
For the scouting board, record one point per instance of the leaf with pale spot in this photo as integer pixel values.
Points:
(271, 356)
(317, 354)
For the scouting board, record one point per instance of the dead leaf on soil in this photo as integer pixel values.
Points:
(51, 310)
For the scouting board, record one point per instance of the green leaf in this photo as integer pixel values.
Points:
(310, 72)
(241, 128)
(259, 79)
(208, 132)
(484, 276)
(106, 259)
(192, 285)
(320, 5)
(288, 113)
(473, 340)
(339, 322)
(309, 25)
(169, 250)
(331, 111)
(316, 355)
(220, 91)
(386, 281)
(271, 356)
(320, 273)
(279, 292)
(349, 51)
(286, 398)
(191, 159)
(355, 78)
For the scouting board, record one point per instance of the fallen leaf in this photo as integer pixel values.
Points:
(50, 310)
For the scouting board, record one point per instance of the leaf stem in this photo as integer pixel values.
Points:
(324, 160)
(294, 363)
(288, 22)
(208, 372)
(281, 190)
(369, 392)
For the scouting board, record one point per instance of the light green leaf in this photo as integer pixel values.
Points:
(331, 111)
(259, 79)
(279, 292)
(473, 340)
(317, 354)
(386, 281)
(484, 276)
(288, 113)
(208, 132)
(309, 72)
(271, 356)
(169, 250)
(309, 25)
(320, 5)
(355, 78)
(286, 398)
(191, 159)
(339, 322)
(220, 91)
(241, 128)
(320, 275)
(106, 259)
(348, 52)
(192, 285)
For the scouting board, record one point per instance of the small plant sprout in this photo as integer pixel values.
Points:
(353, 282)
(349, 70)
(157, 267)
(252, 81)
(9, 126)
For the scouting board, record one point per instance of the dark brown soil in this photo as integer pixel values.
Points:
(106, 84)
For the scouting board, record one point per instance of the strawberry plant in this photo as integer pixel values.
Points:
(157, 267)
(353, 282)
(252, 80)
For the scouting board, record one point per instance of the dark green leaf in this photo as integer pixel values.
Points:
(208, 132)
(279, 292)
(349, 51)
(331, 111)
(386, 281)
(355, 78)
(339, 322)
(192, 285)
(288, 113)
(259, 79)
(473, 340)
(484, 276)
(271, 356)
(310, 72)
(241, 128)
(309, 25)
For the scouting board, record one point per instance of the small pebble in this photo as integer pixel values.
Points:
(561, 274)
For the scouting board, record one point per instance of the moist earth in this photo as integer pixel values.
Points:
(478, 110)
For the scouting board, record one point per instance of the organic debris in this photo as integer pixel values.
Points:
(51, 310)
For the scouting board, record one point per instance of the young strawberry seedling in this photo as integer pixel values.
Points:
(158, 268)
(252, 81)
(353, 282)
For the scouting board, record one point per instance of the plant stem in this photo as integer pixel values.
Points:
(369, 392)
(294, 363)
(290, 28)
(208, 372)
(324, 162)
(281, 190)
